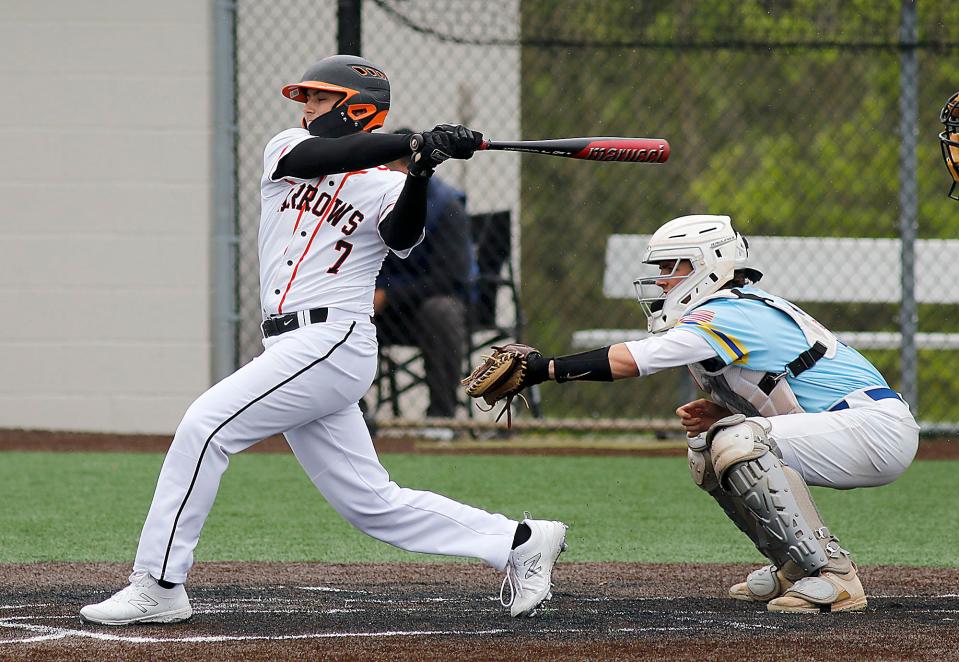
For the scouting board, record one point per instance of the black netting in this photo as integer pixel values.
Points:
(785, 115)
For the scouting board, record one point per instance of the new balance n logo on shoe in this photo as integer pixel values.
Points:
(532, 566)
(143, 602)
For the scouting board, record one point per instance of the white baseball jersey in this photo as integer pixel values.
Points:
(319, 239)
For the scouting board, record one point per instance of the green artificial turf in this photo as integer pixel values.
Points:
(90, 507)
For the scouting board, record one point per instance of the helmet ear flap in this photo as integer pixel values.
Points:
(360, 111)
(376, 121)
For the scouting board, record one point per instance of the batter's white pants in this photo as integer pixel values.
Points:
(871, 443)
(306, 385)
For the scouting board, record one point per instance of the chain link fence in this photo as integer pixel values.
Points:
(812, 124)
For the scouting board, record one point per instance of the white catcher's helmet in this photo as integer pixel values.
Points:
(716, 252)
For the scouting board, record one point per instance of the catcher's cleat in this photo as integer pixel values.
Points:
(765, 584)
(143, 601)
(829, 591)
(529, 569)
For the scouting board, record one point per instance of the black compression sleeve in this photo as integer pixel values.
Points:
(405, 222)
(588, 366)
(316, 157)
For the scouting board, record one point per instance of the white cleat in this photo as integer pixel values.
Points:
(143, 601)
(530, 567)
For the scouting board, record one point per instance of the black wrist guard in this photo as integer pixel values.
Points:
(537, 369)
(589, 366)
(419, 168)
(429, 148)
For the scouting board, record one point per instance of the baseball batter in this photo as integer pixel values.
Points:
(789, 406)
(330, 212)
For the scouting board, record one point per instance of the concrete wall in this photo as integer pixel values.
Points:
(104, 213)
(105, 193)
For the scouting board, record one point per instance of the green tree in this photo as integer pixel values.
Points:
(783, 115)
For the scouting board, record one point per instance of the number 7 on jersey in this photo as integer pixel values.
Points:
(347, 248)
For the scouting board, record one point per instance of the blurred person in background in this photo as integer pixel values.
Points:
(422, 300)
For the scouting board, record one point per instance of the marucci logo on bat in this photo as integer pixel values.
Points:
(591, 148)
(628, 154)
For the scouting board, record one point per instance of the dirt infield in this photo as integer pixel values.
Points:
(448, 611)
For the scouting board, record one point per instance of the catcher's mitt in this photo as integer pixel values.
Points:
(502, 375)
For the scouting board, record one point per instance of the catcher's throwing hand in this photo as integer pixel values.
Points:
(698, 416)
(506, 372)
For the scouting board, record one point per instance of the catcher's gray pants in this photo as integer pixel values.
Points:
(306, 385)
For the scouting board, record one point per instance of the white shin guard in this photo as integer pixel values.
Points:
(784, 520)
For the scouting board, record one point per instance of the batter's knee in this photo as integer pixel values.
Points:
(195, 429)
(735, 439)
(190, 425)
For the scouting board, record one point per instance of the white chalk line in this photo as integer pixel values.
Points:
(412, 602)
(305, 612)
(33, 640)
(926, 596)
(658, 629)
(50, 632)
(35, 618)
(330, 589)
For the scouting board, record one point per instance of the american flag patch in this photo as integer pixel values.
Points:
(698, 317)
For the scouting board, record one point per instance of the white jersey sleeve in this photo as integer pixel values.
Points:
(281, 143)
(677, 347)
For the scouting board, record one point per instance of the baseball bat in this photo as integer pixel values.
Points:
(625, 150)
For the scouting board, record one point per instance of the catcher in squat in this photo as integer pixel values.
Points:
(788, 406)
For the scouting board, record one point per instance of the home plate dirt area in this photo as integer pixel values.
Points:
(448, 611)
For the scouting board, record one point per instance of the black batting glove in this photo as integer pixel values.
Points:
(464, 141)
(430, 149)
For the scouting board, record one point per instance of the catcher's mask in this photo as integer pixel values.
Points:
(364, 90)
(714, 250)
(949, 141)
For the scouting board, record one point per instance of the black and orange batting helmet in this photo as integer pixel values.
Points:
(365, 89)
(949, 141)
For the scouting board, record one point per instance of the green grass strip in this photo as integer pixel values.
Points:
(91, 506)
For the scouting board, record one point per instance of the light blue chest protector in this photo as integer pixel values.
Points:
(760, 393)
